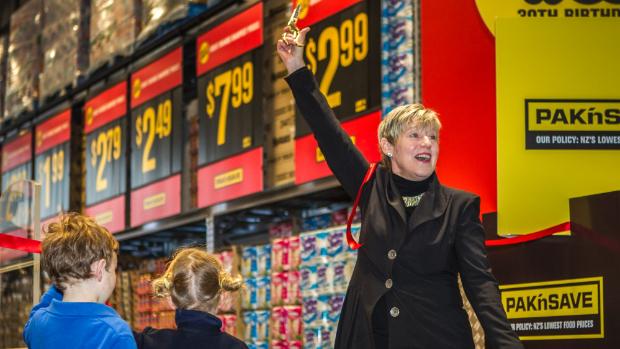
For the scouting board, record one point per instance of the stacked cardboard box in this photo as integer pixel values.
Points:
(24, 59)
(279, 107)
(63, 51)
(123, 297)
(114, 25)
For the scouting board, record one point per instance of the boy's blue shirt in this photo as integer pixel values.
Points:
(57, 324)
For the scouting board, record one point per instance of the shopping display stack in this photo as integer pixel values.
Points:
(114, 26)
(326, 267)
(133, 297)
(295, 286)
(256, 299)
(286, 312)
(230, 302)
(151, 311)
(65, 52)
(24, 59)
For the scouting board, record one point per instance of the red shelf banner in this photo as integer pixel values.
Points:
(155, 201)
(231, 178)
(53, 131)
(110, 214)
(17, 152)
(162, 75)
(230, 39)
(105, 107)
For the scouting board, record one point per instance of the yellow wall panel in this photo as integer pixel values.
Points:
(566, 63)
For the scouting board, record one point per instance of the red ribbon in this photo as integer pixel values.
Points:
(530, 237)
(20, 243)
(350, 240)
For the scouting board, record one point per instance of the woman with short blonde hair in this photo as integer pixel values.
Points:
(397, 120)
(417, 235)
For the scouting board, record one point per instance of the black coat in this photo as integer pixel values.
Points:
(195, 329)
(442, 238)
(412, 263)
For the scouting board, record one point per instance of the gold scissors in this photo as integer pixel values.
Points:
(292, 25)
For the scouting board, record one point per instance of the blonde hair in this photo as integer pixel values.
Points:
(397, 120)
(71, 245)
(194, 279)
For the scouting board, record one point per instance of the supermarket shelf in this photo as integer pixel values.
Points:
(267, 197)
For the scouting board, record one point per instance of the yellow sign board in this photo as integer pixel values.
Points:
(558, 309)
(228, 178)
(557, 125)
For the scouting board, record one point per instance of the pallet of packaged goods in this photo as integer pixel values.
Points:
(24, 59)
(162, 16)
(114, 25)
(64, 50)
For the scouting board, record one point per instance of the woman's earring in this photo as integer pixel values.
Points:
(389, 155)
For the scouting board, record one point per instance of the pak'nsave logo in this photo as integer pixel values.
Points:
(492, 9)
(561, 309)
(572, 124)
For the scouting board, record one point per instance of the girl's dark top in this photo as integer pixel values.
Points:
(195, 329)
(406, 272)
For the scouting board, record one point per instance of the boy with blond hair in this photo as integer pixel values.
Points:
(79, 256)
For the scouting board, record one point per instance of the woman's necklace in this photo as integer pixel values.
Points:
(412, 201)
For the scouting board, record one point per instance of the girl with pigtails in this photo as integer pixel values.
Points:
(194, 280)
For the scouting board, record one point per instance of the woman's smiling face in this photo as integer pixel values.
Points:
(414, 156)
